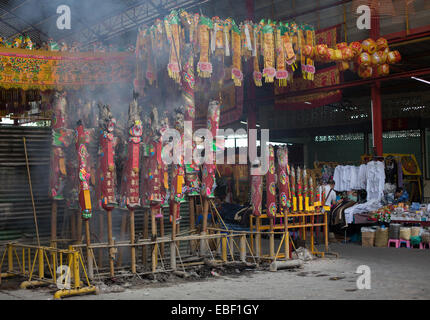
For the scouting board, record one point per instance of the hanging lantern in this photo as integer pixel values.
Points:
(341, 45)
(365, 71)
(375, 58)
(383, 70)
(381, 44)
(347, 53)
(321, 52)
(363, 59)
(369, 45)
(394, 57)
(356, 47)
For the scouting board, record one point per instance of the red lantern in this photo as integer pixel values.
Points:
(375, 58)
(334, 54)
(381, 44)
(356, 47)
(365, 71)
(363, 59)
(393, 57)
(341, 45)
(383, 56)
(369, 45)
(308, 51)
(383, 70)
(321, 51)
(347, 53)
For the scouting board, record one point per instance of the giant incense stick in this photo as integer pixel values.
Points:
(106, 191)
(132, 193)
(60, 141)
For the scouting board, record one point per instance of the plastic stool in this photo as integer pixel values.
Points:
(406, 242)
(424, 245)
(395, 241)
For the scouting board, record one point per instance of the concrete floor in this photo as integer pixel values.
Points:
(395, 274)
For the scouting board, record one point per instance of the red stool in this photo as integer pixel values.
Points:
(406, 242)
(395, 241)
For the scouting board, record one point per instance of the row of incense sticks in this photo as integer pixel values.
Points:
(287, 189)
(150, 187)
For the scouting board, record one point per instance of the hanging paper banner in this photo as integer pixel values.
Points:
(43, 70)
(325, 77)
(328, 36)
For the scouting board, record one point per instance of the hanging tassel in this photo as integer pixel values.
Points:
(236, 72)
(281, 72)
(258, 76)
(269, 71)
(204, 67)
(226, 31)
(173, 66)
(310, 68)
(219, 37)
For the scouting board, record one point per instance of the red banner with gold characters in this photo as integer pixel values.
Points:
(328, 36)
(324, 77)
(27, 69)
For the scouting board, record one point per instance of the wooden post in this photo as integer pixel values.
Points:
(287, 236)
(231, 245)
(224, 248)
(272, 239)
(54, 224)
(203, 245)
(312, 233)
(304, 230)
(173, 244)
(243, 248)
(258, 238)
(251, 236)
(162, 234)
(79, 227)
(218, 243)
(123, 231)
(101, 237)
(325, 232)
(132, 242)
(89, 251)
(110, 242)
(192, 223)
(145, 237)
(153, 238)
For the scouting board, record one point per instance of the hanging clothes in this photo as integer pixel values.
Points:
(375, 172)
(362, 177)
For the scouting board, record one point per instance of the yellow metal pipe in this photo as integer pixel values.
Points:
(23, 260)
(9, 257)
(77, 281)
(5, 275)
(224, 249)
(41, 264)
(26, 284)
(64, 293)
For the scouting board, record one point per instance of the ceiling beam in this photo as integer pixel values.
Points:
(25, 21)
